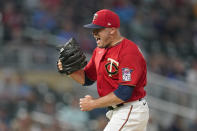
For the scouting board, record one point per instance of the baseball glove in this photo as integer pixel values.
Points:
(71, 57)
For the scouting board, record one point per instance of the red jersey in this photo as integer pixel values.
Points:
(122, 64)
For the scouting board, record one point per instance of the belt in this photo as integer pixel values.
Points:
(119, 105)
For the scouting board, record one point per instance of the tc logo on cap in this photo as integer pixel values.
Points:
(95, 17)
(104, 19)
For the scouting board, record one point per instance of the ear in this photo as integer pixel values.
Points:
(112, 31)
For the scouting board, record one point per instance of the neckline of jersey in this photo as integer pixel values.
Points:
(115, 44)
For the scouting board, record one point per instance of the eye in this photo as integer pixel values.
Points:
(96, 31)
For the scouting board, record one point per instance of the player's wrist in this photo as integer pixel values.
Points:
(94, 103)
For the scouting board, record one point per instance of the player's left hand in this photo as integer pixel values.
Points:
(86, 103)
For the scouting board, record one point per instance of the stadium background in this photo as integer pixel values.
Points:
(34, 97)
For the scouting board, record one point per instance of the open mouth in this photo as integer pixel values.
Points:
(98, 39)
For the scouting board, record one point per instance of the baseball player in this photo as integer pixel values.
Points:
(119, 68)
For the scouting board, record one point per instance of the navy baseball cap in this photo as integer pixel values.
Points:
(104, 19)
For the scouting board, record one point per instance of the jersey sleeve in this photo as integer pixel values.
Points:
(90, 69)
(130, 69)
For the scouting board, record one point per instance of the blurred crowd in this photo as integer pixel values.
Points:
(165, 30)
(39, 107)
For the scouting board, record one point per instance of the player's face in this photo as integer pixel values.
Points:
(103, 37)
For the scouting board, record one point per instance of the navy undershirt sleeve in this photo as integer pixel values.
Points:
(88, 82)
(124, 92)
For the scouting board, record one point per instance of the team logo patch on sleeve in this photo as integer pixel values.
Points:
(126, 74)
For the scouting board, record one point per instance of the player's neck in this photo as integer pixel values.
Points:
(117, 40)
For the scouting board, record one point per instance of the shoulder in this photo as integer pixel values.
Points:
(129, 47)
(131, 51)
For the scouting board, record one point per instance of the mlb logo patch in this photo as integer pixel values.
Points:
(126, 74)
